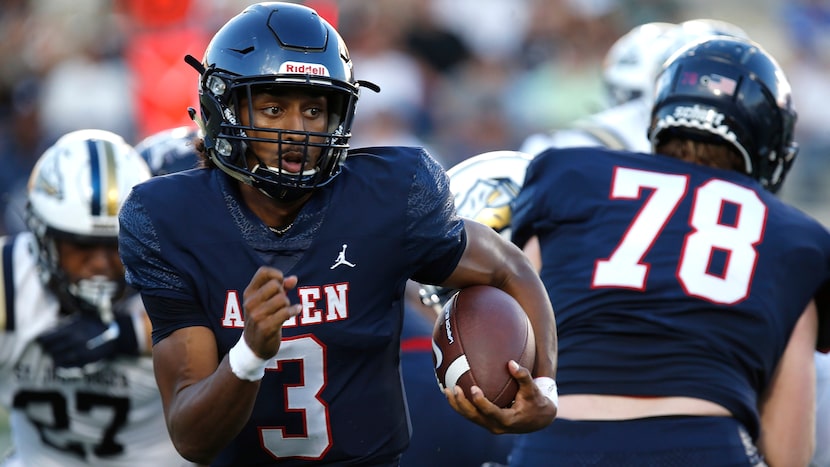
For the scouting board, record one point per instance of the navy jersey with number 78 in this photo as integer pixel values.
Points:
(668, 278)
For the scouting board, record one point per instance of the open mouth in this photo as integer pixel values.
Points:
(293, 166)
(291, 162)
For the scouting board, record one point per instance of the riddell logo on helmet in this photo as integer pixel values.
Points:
(304, 68)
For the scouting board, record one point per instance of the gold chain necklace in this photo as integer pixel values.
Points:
(281, 231)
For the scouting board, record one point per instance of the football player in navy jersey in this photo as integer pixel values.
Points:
(689, 299)
(275, 275)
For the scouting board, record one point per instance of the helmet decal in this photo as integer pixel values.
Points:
(304, 68)
(48, 180)
(719, 84)
(171, 150)
(488, 202)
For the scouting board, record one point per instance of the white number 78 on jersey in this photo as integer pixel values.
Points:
(625, 266)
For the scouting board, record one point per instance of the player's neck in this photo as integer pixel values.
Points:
(272, 212)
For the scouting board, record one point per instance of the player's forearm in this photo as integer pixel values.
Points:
(788, 407)
(531, 294)
(791, 443)
(206, 416)
(788, 426)
(489, 259)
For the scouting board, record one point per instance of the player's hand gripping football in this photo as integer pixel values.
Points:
(531, 410)
(267, 307)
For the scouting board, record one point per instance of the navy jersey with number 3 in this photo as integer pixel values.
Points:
(668, 278)
(333, 392)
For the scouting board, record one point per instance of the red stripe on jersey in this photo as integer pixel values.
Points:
(417, 344)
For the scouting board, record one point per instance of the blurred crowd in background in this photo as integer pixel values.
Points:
(460, 77)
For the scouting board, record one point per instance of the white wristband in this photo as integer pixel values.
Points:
(548, 387)
(244, 362)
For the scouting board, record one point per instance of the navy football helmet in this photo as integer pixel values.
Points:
(275, 45)
(729, 90)
(170, 151)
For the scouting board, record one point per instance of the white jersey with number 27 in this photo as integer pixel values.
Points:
(110, 418)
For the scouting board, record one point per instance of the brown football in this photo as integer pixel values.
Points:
(480, 329)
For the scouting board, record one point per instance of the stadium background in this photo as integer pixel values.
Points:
(458, 76)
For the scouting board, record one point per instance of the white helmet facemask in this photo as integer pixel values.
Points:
(98, 291)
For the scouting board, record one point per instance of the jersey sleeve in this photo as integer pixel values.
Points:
(556, 183)
(435, 233)
(146, 269)
(155, 278)
(529, 201)
(28, 307)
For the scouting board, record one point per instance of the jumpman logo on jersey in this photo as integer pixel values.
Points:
(341, 259)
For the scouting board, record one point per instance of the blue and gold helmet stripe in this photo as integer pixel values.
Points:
(113, 194)
(94, 178)
(104, 200)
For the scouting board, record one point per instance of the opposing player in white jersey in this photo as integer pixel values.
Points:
(72, 375)
(629, 70)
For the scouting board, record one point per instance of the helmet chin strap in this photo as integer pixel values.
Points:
(265, 182)
(266, 173)
(283, 173)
